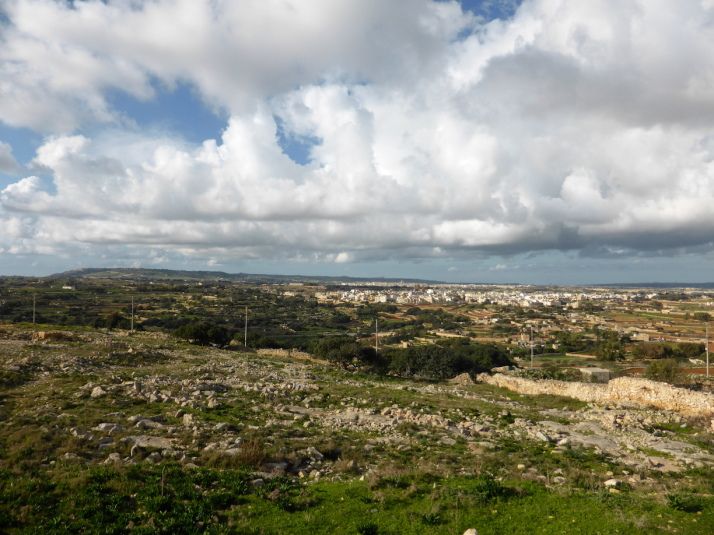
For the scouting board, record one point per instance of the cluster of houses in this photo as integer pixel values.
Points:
(455, 294)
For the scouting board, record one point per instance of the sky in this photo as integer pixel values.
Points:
(511, 141)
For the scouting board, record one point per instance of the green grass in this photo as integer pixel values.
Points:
(417, 484)
(169, 499)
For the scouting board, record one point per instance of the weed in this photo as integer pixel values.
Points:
(431, 519)
(368, 528)
(250, 453)
(656, 453)
(486, 488)
(343, 466)
(507, 419)
(688, 503)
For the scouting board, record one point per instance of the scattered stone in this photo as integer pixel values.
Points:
(154, 457)
(275, 467)
(313, 454)
(108, 428)
(543, 437)
(144, 441)
(189, 419)
(148, 424)
(98, 392)
(81, 434)
(113, 458)
(463, 379)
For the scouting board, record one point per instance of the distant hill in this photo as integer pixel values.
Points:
(175, 276)
(172, 275)
(662, 285)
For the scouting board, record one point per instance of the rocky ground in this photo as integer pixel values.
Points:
(145, 398)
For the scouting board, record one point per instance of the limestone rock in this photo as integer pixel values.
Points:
(113, 458)
(463, 379)
(108, 428)
(313, 454)
(188, 419)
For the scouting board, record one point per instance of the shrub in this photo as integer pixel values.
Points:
(486, 488)
(688, 503)
(368, 528)
(662, 370)
(250, 453)
(431, 519)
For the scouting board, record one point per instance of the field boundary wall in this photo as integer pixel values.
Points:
(623, 389)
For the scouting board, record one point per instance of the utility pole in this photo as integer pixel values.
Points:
(531, 347)
(33, 308)
(245, 343)
(707, 346)
(376, 334)
(132, 313)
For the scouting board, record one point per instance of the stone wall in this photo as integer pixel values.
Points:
(285, 353)
(623, 389)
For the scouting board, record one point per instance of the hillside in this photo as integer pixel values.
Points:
(145, 274)
(140, 433)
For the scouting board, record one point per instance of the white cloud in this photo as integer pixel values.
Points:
(572, 126)
(59, 59)
(8, 164)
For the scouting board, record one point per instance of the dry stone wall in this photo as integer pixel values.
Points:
(622, 389)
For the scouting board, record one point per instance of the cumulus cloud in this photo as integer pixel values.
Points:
(8, 164)
(571, 126)
(59, 59)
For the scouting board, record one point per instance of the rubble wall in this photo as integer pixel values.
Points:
(622, 389)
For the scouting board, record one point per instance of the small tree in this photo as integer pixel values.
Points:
(203, 334)
(652, 351)
(664, 370)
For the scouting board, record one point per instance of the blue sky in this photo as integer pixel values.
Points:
(553, 142)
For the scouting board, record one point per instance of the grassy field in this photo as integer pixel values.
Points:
(172, 499)
(408, 478)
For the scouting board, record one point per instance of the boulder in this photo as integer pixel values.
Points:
(463, 379)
